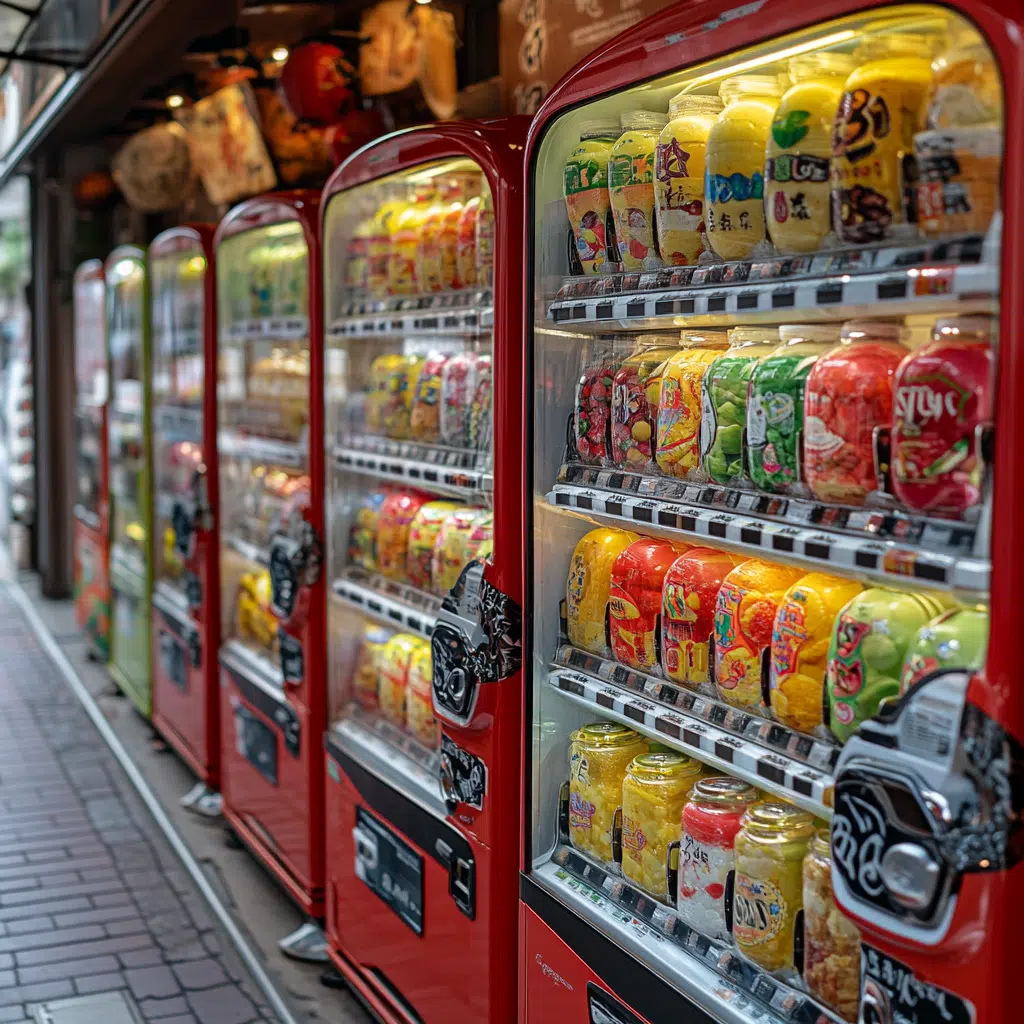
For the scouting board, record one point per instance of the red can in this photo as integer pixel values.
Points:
(943, 393)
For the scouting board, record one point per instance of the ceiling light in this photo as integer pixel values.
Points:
(175, 100)
(279, 53)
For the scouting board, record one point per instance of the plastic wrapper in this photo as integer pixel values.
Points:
(957, 639)
(479, 420)
(592, 411)
(425, 415)
(400, 380)
(362, 538)
(588, 586)
(394, 519)
(454, 547)
(423, 532)
(458, 388)
(394, 675)
(419, 701)
(369, 661)
(636, 392)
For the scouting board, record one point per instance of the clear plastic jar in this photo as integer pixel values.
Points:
(631, 186)
(711, 820)
(798, 202)
(768, 891)
(847, 395)
(636, 392)
(419, 704)
(587, 200)
(734, 175)
(831, 940)
(588, 585)
(679, 177)
(599, 755)
(592, 414)
(653, 794)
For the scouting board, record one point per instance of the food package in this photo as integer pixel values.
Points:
(454, 547)
(419, 703)
(957, 639)
(636, 392)
(369, 661)
(394, 519)
(362, 538)
(588, 585)
(425, 416)
(459, 379)
(394, 675)
(423, 533)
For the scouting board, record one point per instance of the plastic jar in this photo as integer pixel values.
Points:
(636, 392)
(587, 201)
(957, 639)
(405, 241)
(942, 395)
(394, 675)
(679, 403)
(453, 549)
(679, 177)
(847, 394)
(396, 514)
(768, 892)
(423, 531)
(831, 940)
(419, 704)
(724, 402)
(711, 820)
(775, 407)
(588, 586)
(592, 413)
(368, 666)
(734, 175)
(599, 755)
(653, 794)
(631, 187)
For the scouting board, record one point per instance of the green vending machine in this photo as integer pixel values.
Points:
(131, 550)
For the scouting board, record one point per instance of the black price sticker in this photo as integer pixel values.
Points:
(391, 868)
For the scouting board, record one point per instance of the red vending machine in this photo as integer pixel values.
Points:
(773, 740)
(92, 469)
(269, 440)
(424, 561)
(186, 586)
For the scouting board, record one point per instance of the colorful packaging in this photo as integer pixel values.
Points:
(592, 414)
(631, 187)
(870, 640)
(394, 675)
(428, 249)
(599, 755)
(775, 407)
(466, 247)
(419, 699)
(396, 515)
(968, 90)
(654, 791)
(711, 821)
(479, 424)
(357, 258)
(385, 222)
(458, 387)
(734, 174)
(451, 278)
(485, 241)
(399, 387)
(586, 196)
(453, 548)
(848, 393)
(798, 197)
(724, 402)
(680, 404)
(634, 603)
(956, 639)
(745, 610)
(362, 538)
(588, 586)
(481, 540)
(679, 177)
(943, 394)
(636, 391)
(368, 666)
(405, 240)
(425, 415)
(382, 370)
(800, 642)
(688, 599)
(959, 173)
(423, 531)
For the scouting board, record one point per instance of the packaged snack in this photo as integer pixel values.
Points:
(379, 248)
(958, 174)
(479, 417)
(592, 414)
(599, 755)
(724, 402)
(256, 619)
(679, 404)
(654, 791)
(357, 258)
(394, 519)
(956, 639)
(451, 278)
(775, 407)
(429, 259)
(942, 395)
(485, 241)
(425, 415)
(967, 91)
(405, 240)
(453, 548)
(362, 538)
(688, 600)
(798, 197)
(870, 640)
(588, 587)
(481, 539)
(745, 609)
(711, 820)
(679, 177)
(631, 187)
(636, 391)
(466, 247)
(399, 387)
(634, 603)
(800, 641)
(734, 175)
(381, 371)
(423, 531)
(880, 109)
(419, 701)
(768, 891)
(586, 196)
(458, 387)
(368, 666)
(394, 675)
(847, 394)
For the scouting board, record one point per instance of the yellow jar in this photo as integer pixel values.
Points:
(419, 701)
(653, 794)
(734, 174)
(797, 198)
(831, 940)
(405, 242)
(768, 892)
(588, 585)
(587, 201)
(679, 177)
(881, 106)
(631, 186)
(599, 755)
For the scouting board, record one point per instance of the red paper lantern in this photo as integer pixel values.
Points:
(317, 81)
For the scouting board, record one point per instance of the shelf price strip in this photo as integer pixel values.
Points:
(414, 470)
(387, 608)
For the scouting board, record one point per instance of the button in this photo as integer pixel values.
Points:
(910, 875)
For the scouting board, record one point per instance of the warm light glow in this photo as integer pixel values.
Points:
(423, 1)
(175, 100)
(279, 53)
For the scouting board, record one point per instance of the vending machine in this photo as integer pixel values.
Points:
(186, 587)
(423, 399)
(130, 455)
(91, 522)
(773, 727)
(270, 430)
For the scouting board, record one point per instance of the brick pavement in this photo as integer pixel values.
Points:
(92, 898)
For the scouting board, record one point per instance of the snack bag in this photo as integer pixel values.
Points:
(458, 388)
(588, 587)
(394, 675)
(382, 369)
(423, 531)
(453, 547)
(425, 415)
(592, 412)
(393, 522)
(419, 699)
(368, 664)
(399, 387)
(956, 639)
(479, 418)
(362, 539)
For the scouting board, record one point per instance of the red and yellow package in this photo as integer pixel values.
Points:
(453, 547)
(425, 415)
(368, 666)
(636, 392)
(593, 410)
(423, 531)
(393, 522)
(399, 386)
(394, 675)
(419, 699)
(588, 586)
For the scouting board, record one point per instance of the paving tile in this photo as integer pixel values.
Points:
(152, 981)
(35, 993)
(161, 1009)
(118, 944)
(198, 974)
(27, 925)
(46, 905)
(8, 978)
(100, 983)
(60, 937)
(97, 915)
(224, 1004)
(67, 969)
(142, 957)
(9, 1014)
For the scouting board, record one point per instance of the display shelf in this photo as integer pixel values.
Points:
(461, 312)
(960, 275)
(458, 472)
(258, 668)
(289, 454)
(693, 734)
(935, 556)
(389, 602)
(248, 550)
(270, 328)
